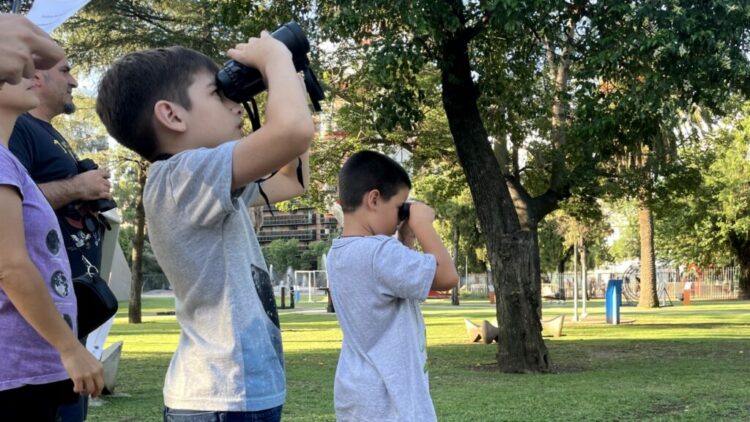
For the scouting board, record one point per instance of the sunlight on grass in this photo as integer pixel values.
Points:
(675, 363)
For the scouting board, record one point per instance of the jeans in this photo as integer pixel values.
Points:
(74, 412)
(178, 415)
(37, 403)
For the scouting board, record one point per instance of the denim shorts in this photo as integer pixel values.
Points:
(179, 415)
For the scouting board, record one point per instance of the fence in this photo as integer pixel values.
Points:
(710, 283)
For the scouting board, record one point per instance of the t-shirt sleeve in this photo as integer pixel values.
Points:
(403, 272)
(9, 173)
(249, 192)
(200, 182)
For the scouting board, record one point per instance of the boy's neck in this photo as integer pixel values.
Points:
(354, 226)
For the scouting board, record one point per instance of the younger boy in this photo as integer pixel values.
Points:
(377, 283)
(164, 104)
(43, 365)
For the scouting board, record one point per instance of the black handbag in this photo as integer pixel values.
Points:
(96, 302)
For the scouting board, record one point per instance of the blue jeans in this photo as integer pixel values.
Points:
(178, 415)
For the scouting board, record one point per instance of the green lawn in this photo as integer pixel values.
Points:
(677, 363)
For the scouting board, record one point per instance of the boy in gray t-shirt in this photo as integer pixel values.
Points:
(376, 284)
(164, 104)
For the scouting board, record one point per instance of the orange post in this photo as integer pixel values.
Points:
(686, 293)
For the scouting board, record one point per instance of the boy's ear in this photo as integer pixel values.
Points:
(371, 199)
(170, 116)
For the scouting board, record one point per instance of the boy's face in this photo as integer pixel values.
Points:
(385, 219)
(18, 98)
(212, 119)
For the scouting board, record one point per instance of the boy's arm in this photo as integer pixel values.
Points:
(288, 128)
(420, 222)
(285, 185)
(22, 283)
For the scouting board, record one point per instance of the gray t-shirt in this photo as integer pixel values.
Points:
(376, 285)
(229, 356)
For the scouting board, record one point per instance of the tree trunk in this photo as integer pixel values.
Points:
(741, 247)
(456, 238)
(517, 307)
(520, 344)
(134, 307)
(584, 279)
(648, 297)
(744, 292)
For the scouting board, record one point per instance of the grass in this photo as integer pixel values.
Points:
(687, 363)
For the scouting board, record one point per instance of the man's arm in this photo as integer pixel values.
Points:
(22, 283)
(90, 185)
(285, 185)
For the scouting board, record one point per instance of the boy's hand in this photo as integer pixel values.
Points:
(259, 52)
(420, 214)
(85, 371)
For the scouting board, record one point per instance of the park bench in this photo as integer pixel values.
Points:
(553, 326)
(488, 333)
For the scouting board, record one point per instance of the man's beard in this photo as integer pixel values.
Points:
(69, 108)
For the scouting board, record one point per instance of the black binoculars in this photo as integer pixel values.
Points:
(98, 205)
(240, 83)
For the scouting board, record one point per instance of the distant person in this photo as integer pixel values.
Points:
(164, 104)
(42, 363)
(377, 283)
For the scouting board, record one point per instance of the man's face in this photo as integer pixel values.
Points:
(55, 88)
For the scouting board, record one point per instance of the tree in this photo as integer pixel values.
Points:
(555, 55)
(712, 224)
(655, 63)
(313, 253)
(282, 254)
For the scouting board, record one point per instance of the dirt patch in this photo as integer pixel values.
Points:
(555, 369)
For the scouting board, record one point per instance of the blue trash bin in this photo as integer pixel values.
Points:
(613, 300)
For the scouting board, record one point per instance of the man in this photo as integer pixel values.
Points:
(55, 168)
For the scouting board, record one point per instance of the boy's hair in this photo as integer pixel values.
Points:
(137, 81)
(368, 170)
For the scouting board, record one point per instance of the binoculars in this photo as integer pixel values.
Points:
(241, 83)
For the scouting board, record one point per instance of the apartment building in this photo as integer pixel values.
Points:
(304, 224)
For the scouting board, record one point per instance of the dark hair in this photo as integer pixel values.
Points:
(368, 170)
(137, 81)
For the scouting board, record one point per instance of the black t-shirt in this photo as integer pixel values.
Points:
(48, 157)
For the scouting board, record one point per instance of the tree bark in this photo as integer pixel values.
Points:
(741, 247)
(520, 344)
(134, 306)
(517, 306)
(648, 297)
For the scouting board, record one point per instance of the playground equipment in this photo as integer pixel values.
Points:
(631, 287)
